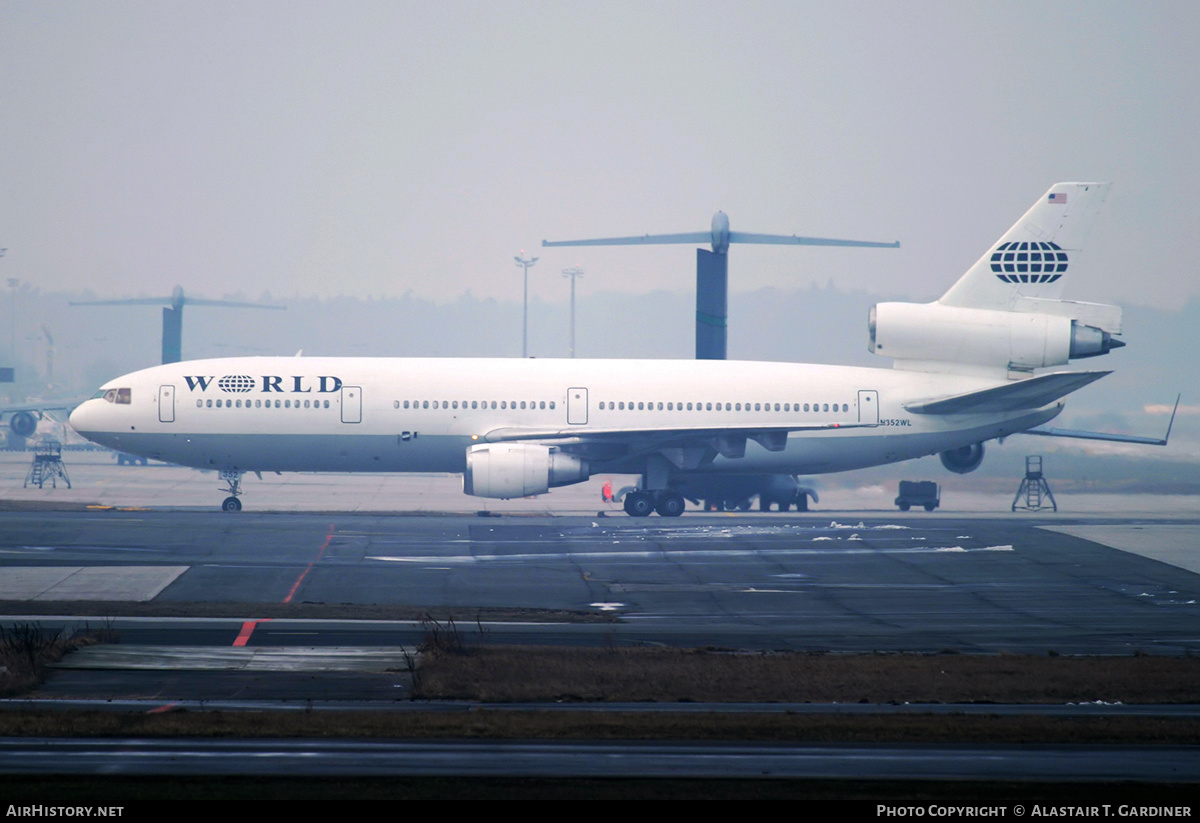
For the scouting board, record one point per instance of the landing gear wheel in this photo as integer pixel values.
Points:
(670, 504)
(233, 485)
(639, 504)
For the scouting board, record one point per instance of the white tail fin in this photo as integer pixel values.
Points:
(1033, 257)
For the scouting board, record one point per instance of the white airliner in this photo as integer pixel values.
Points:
(976, 365)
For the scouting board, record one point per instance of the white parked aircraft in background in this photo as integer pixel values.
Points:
(978, 364)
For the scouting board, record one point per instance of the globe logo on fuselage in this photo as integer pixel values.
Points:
(1029, 262)
(236, 383)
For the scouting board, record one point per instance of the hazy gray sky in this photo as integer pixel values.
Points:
(376, 147)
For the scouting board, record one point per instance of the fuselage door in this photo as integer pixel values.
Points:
(166, 404)
(868, 407)
(577, 407)
(351, 404)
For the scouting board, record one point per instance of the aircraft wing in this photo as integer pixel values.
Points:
(1032, 393)
(517, 433)
(794, 240)
(688, 448)
(42, 405)
(649, 239)
(1106, 436)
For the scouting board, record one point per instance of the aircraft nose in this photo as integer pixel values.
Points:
(81, 419)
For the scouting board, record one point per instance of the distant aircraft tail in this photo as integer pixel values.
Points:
(1006, 314)
(1033, 258)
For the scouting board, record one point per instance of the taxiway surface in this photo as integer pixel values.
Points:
(817, 581)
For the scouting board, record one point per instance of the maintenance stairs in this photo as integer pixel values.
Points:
(47, 465)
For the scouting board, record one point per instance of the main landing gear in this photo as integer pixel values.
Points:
(667, 503)
(233, 480)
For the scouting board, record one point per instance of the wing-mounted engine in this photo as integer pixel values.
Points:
(964, 459)
(1035, 334)
(508, 470)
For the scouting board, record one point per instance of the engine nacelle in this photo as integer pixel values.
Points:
(964, 459)
(507, 470)
(23, 423)
(1024, 340)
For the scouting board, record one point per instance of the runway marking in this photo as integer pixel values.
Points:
(678, 554)
(303, 574)
(248, 629)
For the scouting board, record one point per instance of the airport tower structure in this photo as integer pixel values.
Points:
(172, 333)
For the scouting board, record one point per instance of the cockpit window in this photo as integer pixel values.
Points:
(120, 396)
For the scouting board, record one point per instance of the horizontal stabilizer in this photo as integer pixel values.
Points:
(1021, 394)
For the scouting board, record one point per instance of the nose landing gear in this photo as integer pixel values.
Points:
(233, 481)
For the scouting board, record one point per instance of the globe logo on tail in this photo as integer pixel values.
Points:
(1029, 262)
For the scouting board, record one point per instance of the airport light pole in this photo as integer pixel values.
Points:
(525, 264)
(13, 282)
(574, 273)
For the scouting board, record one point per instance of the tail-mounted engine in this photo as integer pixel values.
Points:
(508, 470)
(1036, 334)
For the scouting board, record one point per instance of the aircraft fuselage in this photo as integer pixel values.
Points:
(421, 415)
